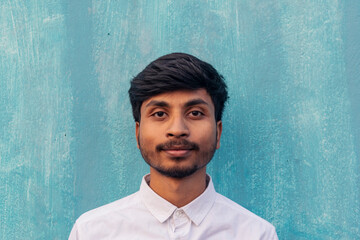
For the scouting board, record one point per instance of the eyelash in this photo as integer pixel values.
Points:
(191, 113)
(156, 113)
(198, 112)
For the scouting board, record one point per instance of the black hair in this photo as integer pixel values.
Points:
(177, 71)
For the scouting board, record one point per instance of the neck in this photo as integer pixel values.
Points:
(178, 192)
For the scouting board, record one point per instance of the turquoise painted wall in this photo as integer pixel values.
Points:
(291, 145)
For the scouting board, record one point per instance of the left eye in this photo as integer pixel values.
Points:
(196, 113)
(159, 114)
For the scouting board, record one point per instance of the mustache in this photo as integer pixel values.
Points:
(177, 144)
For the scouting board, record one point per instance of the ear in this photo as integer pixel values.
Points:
(137, 132)
(218, 133)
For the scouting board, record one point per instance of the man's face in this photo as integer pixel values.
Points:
(178, 134)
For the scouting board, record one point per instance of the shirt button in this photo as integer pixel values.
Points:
(179, 213)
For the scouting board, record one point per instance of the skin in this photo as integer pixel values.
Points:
(180, 117)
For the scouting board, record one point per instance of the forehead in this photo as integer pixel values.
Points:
(180, 97)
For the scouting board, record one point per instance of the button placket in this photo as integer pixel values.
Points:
(180, 220)
(180, 224)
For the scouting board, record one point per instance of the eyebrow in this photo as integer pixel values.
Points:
(197, 101)
(157, 103)
(190, 103)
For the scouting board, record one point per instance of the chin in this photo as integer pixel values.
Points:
(177, 172)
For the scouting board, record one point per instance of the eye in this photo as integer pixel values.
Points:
(196, 114)
(159, 114)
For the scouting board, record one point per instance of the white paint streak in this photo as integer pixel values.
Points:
(28, 190)
(307, 163)
(56, 17)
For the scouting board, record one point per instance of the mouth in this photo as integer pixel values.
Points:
(177, 149)
(178, 153)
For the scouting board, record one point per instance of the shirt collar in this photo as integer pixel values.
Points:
(162, 209)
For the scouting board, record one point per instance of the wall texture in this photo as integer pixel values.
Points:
(291, 145)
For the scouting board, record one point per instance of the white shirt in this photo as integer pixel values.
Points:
(145, 215)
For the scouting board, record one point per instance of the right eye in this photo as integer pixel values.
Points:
(159, 114)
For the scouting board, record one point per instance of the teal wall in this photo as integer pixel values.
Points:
(291, 144)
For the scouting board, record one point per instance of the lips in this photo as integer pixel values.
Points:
(178, 152)
(177, 148)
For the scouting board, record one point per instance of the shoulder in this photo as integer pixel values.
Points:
(103, 221)
(242, 217)
(113, 208)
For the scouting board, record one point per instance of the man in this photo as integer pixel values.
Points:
(177, 103)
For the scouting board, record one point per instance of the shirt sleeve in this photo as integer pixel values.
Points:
(269, 234)
(74, 235)
(274, 235)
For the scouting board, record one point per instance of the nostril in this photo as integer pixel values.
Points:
(177, 129)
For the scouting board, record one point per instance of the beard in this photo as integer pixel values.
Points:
(203, 157)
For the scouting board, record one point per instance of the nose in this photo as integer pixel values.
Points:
(177, 128)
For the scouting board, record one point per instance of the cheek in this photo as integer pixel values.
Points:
(205, 132)
(148, 134)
